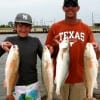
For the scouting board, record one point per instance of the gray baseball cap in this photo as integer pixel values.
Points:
(23, 18)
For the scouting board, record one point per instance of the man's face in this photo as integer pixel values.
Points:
(71, 11)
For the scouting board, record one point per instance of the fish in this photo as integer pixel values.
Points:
(90, 70)
(47, 72)
(11, 69)
(62, 65)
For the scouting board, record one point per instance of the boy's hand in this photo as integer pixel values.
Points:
(6, 45)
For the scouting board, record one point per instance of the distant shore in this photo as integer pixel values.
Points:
(33, 30)
(39, 30)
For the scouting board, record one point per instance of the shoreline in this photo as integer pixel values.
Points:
(39, 30)
(1, 33)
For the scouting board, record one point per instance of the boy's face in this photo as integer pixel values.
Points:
(23, 29)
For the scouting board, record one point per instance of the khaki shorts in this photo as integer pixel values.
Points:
(29, 92)
(75, 91)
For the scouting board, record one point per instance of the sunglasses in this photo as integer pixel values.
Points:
(70, 4)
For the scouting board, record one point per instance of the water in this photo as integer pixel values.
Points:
(42, 38)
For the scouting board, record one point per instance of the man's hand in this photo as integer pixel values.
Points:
(50, 49)
(6, 45)
(56, 40)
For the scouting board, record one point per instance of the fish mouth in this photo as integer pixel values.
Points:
(15, 46)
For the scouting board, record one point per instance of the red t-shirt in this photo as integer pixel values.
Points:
(78, 34)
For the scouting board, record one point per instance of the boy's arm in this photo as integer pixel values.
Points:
(40, 49)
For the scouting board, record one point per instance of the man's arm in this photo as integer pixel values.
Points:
(97, 50)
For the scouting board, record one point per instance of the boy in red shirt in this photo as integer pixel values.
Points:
(78, 34)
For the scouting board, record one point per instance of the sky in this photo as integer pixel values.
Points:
(47, 11)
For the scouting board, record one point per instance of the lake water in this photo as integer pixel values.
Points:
(42, 38)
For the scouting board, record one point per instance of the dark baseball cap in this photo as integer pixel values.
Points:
(68, 3)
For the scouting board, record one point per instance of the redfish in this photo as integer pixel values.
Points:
(90, 70)
(11, 69)
(47, 72)
(62, 66)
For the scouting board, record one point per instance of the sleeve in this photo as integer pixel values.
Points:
(7, 39)
(40, 49)
(50, 36)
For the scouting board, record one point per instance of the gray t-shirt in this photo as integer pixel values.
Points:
(29, 48)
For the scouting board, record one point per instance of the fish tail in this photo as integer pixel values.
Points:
(57, 90)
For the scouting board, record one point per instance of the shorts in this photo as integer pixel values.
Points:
(75, 91)
(28, 92)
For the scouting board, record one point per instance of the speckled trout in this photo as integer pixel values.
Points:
(90, 69)
(47, 72)
(11, 69)
(62, 66)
